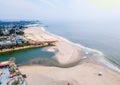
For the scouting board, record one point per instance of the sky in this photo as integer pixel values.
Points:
(54, 10)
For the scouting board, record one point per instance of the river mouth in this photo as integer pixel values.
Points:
(48, 62)
(26, 55)
(38, 56)
(34, 56)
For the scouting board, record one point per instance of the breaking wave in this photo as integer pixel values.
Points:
(97, 55)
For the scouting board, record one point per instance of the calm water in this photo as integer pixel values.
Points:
(28, 56)
(103, 36)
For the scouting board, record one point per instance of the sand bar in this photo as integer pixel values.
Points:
(65, 52)
(83, 74)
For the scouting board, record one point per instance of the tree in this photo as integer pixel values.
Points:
(20, 27)
(1, 32)
(0, 83)
(12, 31)
(20, 33)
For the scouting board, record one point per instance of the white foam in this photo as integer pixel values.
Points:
(88, 50)
(76, 44)
(109, 65)
(43, 29)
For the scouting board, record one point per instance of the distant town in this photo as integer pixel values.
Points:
(12, 37)
(11, 34)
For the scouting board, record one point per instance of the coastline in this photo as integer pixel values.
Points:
(69, 53)
(21, 48)
(82, 74)
(85, 73)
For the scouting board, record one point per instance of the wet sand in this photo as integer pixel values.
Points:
(65, 52)
(83, 74)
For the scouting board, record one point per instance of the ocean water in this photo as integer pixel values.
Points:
(100, 41)
(103, 37)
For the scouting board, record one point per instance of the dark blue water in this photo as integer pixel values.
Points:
(103, 36)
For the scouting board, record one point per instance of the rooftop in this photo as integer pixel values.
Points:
(10, 74)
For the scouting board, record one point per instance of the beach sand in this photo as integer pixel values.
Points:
(83, 74)
(65, 52)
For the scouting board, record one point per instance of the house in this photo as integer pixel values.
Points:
(6, 43)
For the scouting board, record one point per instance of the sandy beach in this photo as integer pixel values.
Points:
(83, 74)
(65, 52)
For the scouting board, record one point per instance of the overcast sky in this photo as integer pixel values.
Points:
(60, 9)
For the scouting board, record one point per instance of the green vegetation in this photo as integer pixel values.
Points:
(12, 31)
(20, 33)
(1, 32)
(11, 34)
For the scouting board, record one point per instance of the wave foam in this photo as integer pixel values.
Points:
(86, 49)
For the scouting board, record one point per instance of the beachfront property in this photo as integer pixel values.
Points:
(10, 74)
(12, 36)
(13, 41)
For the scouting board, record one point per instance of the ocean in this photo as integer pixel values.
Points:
(100, 41)
(103, 37)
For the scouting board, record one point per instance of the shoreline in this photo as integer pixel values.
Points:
(85, 73)
(82, 50)
(22, 48)
(69, 53)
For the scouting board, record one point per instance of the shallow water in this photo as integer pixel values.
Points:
(103, 36)
(27, 55)
(100, 36)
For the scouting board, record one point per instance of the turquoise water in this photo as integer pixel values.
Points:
(28, 55)
(96, 35)
(37, 56)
